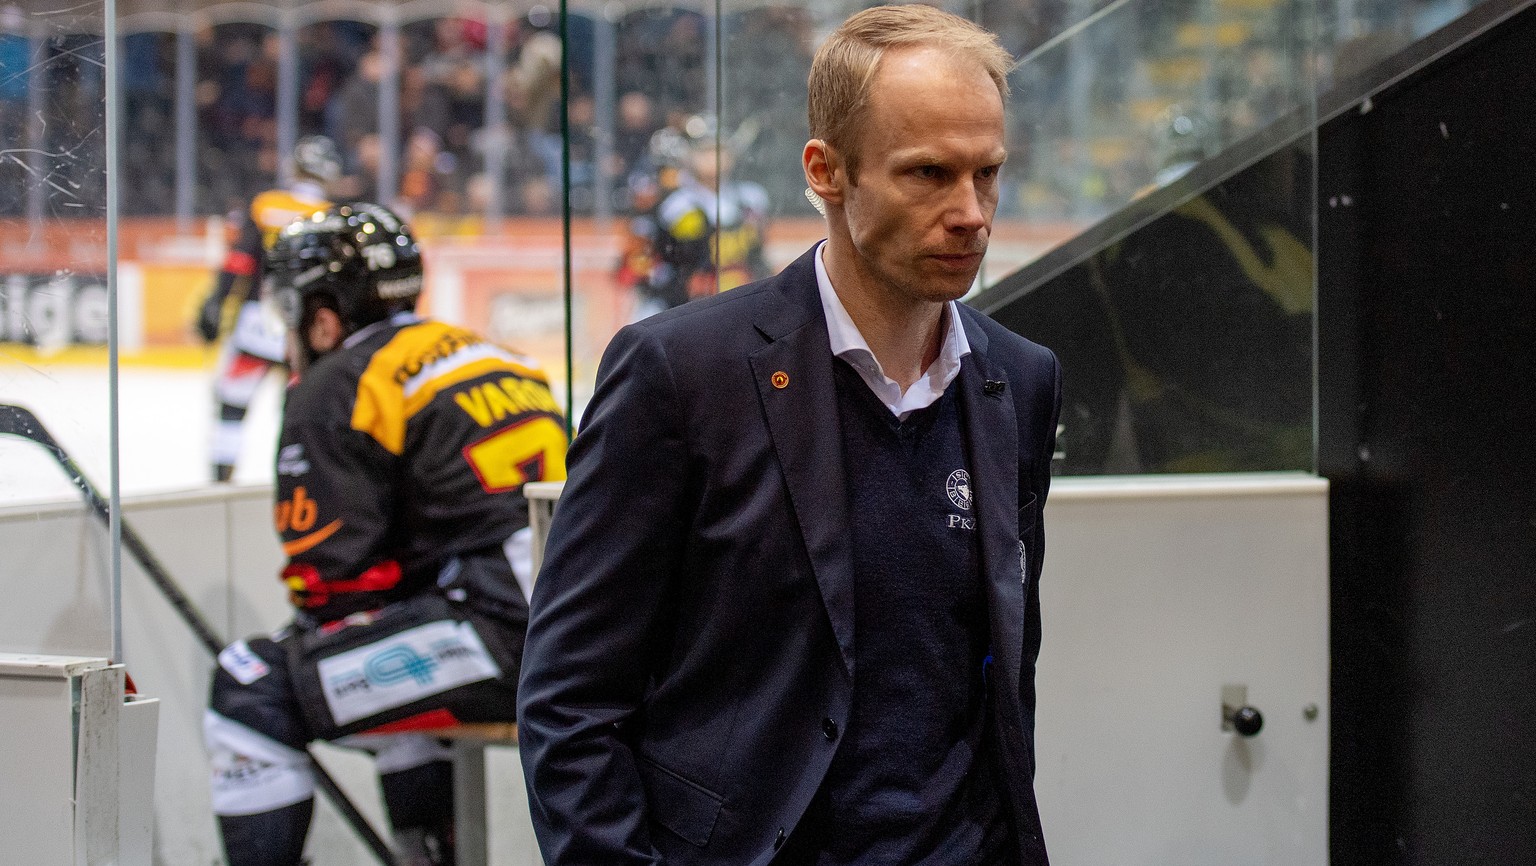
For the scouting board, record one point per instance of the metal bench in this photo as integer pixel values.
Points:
(470, 740)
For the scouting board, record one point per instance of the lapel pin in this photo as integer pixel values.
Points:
(780, 379)
(993, 387)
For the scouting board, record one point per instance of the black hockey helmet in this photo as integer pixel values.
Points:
(317, 156)
(358, 259)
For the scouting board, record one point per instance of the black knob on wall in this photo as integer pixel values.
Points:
(1247, 721)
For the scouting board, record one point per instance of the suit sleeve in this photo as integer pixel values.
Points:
(1046, 413)
(1048, 416)
(598, 626)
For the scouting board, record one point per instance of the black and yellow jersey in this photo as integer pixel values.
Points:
(708, 240)
(407, 446)
(269, 213)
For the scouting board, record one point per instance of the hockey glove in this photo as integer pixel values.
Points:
(209, 318)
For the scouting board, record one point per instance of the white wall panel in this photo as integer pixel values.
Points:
(1156, 593)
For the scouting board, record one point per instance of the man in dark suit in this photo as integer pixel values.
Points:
(789, 608)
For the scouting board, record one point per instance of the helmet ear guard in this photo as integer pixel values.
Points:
(360, 257)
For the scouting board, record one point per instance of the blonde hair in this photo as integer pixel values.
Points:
(846, 63)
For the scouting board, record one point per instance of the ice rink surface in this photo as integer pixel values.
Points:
(166, 420)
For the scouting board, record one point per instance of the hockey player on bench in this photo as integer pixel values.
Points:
(404, 448)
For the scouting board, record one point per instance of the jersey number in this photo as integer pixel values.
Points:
(531, 450)
(380, 257)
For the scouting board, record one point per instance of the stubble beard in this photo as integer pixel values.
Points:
(946, 286)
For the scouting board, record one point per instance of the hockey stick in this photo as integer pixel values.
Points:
(19, 421)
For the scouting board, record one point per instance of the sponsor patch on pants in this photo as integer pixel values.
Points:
(404, 668)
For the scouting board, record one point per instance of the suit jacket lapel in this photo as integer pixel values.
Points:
(799, 399)
(992, 440)
(992, 435)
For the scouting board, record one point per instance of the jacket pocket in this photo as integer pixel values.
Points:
(685, 808)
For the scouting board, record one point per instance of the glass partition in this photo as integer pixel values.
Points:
(1211, 363)
(452, 113)
(1183, 133)
(1112, 100)
(1132, 96)
(54, 323)
(1189, 330)
(537, 214)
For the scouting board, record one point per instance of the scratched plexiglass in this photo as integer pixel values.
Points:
(53, 323)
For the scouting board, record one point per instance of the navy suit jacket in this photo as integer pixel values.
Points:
(689, 663)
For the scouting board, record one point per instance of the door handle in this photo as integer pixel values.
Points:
(1236, 714)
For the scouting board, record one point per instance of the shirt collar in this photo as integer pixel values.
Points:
(847, 343)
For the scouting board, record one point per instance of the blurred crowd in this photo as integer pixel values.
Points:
(1128, 102)
(454, 149)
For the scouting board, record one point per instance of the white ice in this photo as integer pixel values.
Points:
(165, 423)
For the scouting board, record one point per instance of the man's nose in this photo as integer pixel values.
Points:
(968, 212)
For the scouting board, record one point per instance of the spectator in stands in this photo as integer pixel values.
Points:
(453, 76)
(325, 62)
(679, 61)
(354, 110)
(505, 163)
(769, 51)
(533, 96)
(422, 180)
(147, 140)
(581, 150)
(361, 180)
(631, 144)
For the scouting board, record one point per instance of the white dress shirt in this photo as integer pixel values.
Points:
(850, 345)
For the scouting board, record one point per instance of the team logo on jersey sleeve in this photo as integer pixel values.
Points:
(291, 460)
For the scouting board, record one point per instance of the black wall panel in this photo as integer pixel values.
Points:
(1187, 345)
(1427, 399)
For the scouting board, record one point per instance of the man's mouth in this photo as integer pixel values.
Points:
(958, 260)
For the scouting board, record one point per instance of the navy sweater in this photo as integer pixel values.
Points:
(906, 786)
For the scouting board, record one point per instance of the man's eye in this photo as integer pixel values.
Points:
(927, 172)
(988, 172)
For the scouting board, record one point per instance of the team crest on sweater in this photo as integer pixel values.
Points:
(958, 486)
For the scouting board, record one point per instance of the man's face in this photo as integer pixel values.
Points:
(710, 164)
(920, 212)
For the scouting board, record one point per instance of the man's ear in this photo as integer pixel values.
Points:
(825, 173)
